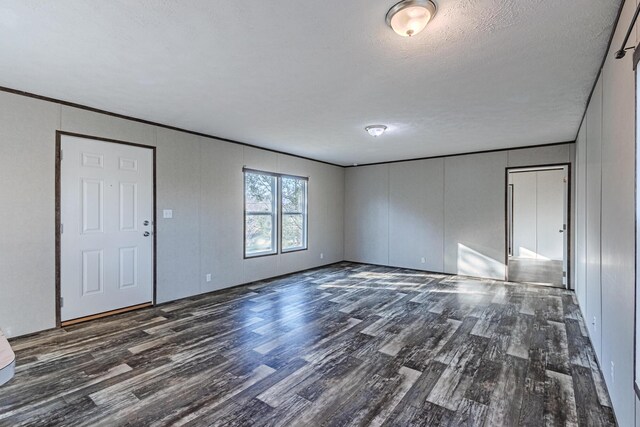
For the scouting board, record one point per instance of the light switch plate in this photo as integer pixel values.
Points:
(167, 213)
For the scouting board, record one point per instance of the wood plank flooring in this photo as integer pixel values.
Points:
(341, 345)
(536, 271)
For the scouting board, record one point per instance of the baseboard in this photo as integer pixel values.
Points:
(248, 283)
(105, 314)
(69, 323)
(428, 271)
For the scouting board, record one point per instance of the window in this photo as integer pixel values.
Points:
(260, 216)
(294, 213)
(265, 196)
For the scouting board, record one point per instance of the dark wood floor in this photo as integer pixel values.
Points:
(343, 345)
(537, 271)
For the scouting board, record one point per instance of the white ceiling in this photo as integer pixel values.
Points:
(306, 77)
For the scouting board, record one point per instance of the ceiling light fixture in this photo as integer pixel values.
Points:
(376, 130)
(409, 17)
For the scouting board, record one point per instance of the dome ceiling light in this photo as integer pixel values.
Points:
(376, 130)
(410, 17)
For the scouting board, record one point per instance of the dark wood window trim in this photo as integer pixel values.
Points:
(274, 215)
(279, 250)
(304, 214)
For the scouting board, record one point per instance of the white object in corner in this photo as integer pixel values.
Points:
(167, 213)
(7, 360)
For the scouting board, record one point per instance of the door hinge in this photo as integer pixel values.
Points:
(61, 154)
(564, 274)
(61, 228)
(61, 302)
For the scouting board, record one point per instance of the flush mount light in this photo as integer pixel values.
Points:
(409, 17)
(375, 130)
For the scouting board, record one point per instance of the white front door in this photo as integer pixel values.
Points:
(106, 214)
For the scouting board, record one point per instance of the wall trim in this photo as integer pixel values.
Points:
(151, 123)
(59, 327)
(604, 60)
(279, 276)
(244, 144)
(440, 273)
(468, 153)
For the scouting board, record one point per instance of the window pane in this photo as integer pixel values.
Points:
(260, 213)
(260, 191)
(293, 194)
(294, 213)
(293, 231)
(259, 230)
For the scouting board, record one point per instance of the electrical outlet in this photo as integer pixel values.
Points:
(423, 260)
(613, 372)
(208, 277)
(321, 255)
(167, 213)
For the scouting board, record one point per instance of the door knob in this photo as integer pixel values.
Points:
(146, 222)
(561, 231)
(146, 234)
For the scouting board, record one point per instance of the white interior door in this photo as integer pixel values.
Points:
(106, 204)
(525, 242)
(551, 213)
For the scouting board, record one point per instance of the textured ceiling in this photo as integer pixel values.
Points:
(307, 77)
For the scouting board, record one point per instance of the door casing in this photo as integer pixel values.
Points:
(507, 214)
(58, 189)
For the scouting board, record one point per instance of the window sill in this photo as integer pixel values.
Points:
(288, 251)
(260, 255)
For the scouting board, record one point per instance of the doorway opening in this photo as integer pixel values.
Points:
(105, 234)
(538, 225)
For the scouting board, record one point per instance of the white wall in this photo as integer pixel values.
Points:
(199, 178)
(474, 212)
(606, 165)
(416, 214)
(593, 201)
(398, 213)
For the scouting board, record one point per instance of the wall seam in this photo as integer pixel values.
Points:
(244, 261)
(200, 282)
(444, 227)
(509, 226)
(602, 73)
(388, 214)
(586, 213)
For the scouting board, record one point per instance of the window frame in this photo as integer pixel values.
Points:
(275, 221)
(277, 215)
(305, 214)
